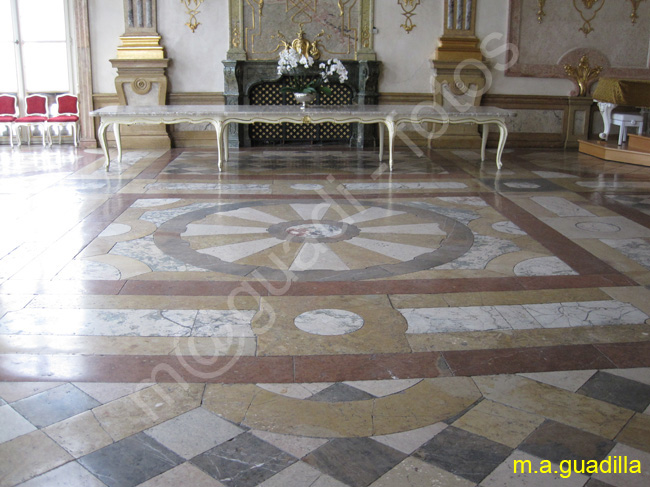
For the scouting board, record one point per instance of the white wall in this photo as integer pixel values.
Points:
(196, 57)
(106, 21)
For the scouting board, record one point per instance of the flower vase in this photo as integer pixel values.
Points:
(304, 99)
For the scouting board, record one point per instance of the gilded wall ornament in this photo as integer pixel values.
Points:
(192, 8)
(408, 11)
(587, 19)
(540, 12)
(302, 45)
(635, 6)
(583, 74)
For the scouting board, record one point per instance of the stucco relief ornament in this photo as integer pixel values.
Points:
(588, 4)
(583, 75)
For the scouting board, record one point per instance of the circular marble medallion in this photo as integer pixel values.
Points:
(312, 240)
(322, 231)
(328, 322)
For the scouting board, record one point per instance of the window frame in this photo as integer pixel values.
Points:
(72, 80)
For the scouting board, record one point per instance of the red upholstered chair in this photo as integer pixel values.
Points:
(68, 117)
(8, 114)
(35, 116)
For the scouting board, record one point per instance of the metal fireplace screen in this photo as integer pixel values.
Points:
(268, 93)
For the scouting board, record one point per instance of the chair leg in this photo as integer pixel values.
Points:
(622, 133)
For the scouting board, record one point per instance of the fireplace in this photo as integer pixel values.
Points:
(258, 83)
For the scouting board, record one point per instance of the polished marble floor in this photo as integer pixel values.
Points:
(307, 318)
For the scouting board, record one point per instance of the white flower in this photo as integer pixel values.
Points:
(306, 61)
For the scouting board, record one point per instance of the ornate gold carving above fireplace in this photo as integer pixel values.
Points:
(343, 28)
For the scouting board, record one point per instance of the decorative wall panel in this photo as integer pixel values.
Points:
(342, 28)
(552, 33)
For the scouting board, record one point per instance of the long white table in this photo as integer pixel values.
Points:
(388, 117)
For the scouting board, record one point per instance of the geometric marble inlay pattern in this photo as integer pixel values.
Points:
(306, 317)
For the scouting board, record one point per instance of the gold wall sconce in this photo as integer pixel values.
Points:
(408, 11)
(192, 8)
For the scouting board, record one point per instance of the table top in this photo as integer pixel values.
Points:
(223, 111)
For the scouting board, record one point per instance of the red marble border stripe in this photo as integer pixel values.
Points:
(533, 359)
(624, 355)
(337, 368)
(155, 368)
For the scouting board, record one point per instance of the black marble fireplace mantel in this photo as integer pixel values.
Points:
(241, 76)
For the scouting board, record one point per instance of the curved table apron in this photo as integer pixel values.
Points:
(389, 117)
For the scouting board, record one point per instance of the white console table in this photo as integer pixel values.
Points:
(389, 117)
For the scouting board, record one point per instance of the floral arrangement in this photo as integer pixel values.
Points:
(296, 65)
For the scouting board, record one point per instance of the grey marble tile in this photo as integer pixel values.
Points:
(617, 390)
(54, 405)
(131, 461)
(557, 442)
(245, 461)
(464, 454)
(340, 392)
(356, 462)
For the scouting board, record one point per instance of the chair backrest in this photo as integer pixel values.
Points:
(8, 105)
(67, 104)
(36, 105)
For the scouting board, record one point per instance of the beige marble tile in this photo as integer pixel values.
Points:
(28, 456)
(382, 331)
(105, 392)
(144, 409)
(79, 435)
(636, 296)
(69, 475)
(185, 474)
(426, 403)
(230, 401)
(499, 423)
(569, 380)
(216, 346)
(637, 433)
(87, 345)
(280, 414)
(576, 410)
(15, 391)
(416, 473)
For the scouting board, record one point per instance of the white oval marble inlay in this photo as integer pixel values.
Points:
(598, 227)
(115, 229)
(508, 227)
(306, 187)
(519, 185)
(328, 322)
(315, 230)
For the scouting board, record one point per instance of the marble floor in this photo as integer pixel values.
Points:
(307, 318)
